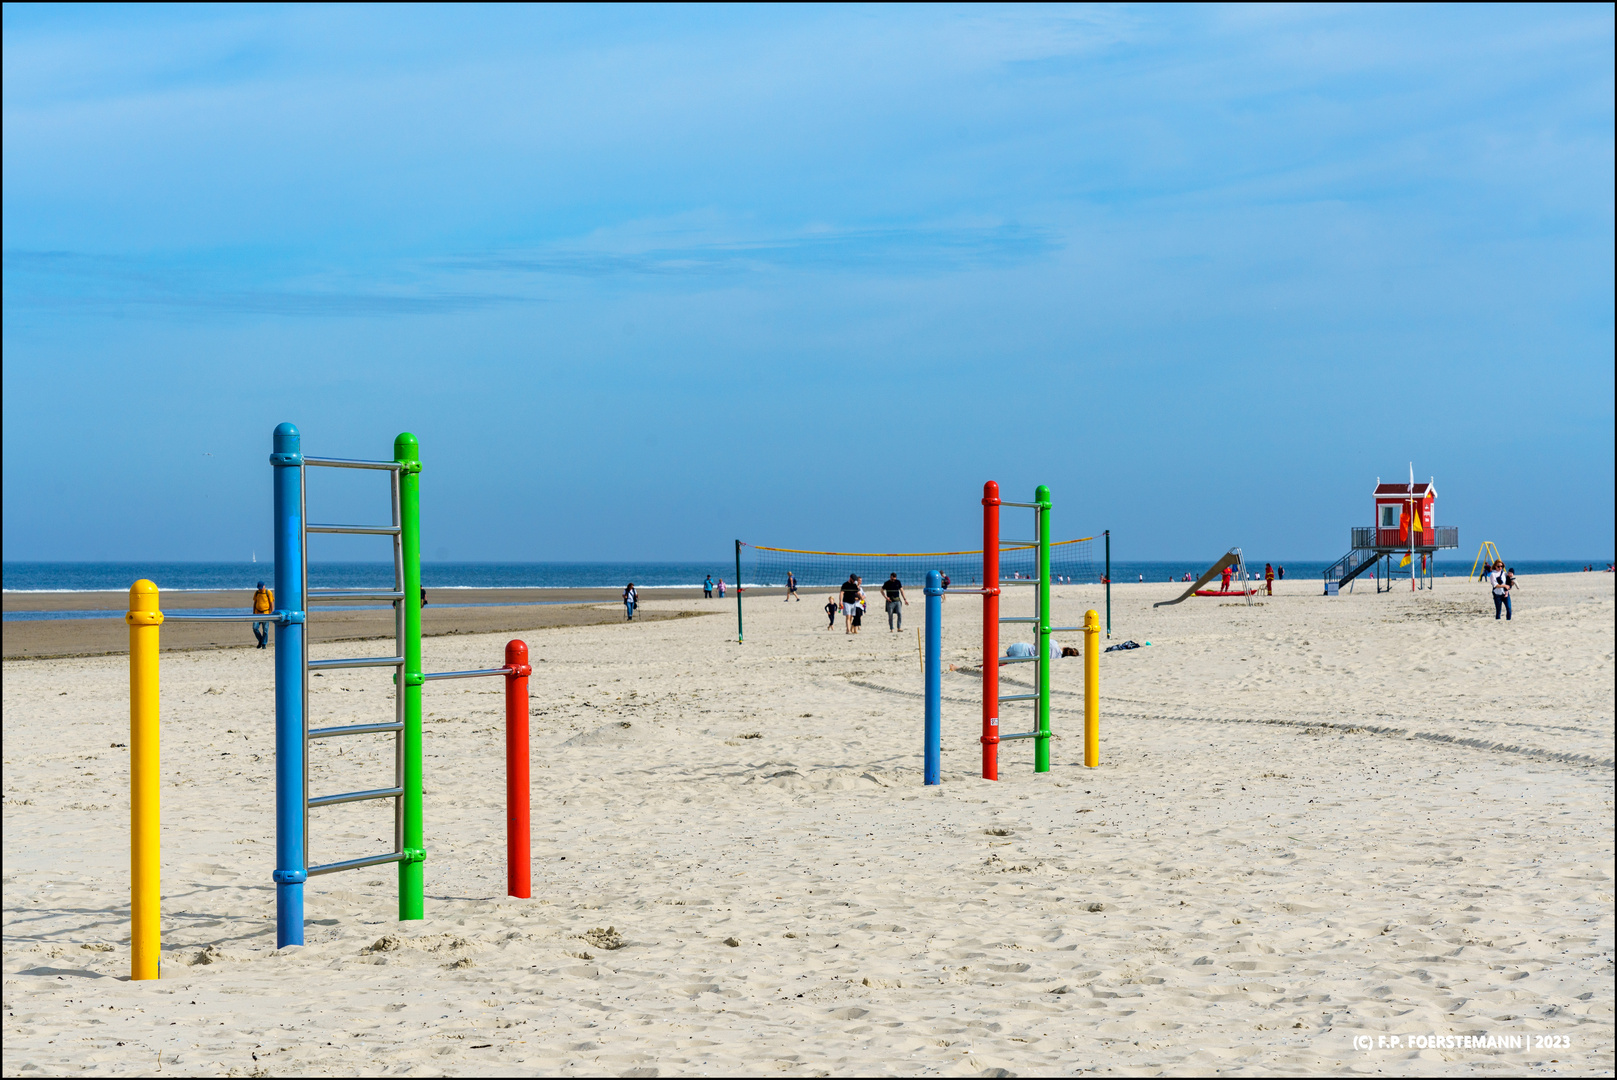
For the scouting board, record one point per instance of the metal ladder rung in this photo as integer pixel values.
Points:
(273, 617)
(356, 796)
(1019, 581)
(355, 594)
(352, 729)
(1019, 618)
(1018, 697)
(429, 676)
(355, 864)
(362, 530)
(1018, 659)
(1018, 735)
(1020, 543)
(358, 661)
(1066, 629)
(351, 463)
(1025, 506)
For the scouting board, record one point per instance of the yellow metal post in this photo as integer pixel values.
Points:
(1092, 688)
(144, 618)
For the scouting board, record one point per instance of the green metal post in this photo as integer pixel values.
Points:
(412, 874)
(740, 636)
(1041, 742)
(1108, 583)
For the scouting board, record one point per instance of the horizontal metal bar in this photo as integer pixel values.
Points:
(1018, 697)
(1066, 629)
(355, 864)
(358, 661)
(1020, 543)
(1018, 735)
(466, 674)
(1025, 506)
(1019, 618)
(1019, 581)
(337, 598)
(363, 530)
(1018, 659)
(352, 729)
(357, 796)
(350, 463)
(167, 617)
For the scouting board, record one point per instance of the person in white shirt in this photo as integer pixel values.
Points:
(1501, 590)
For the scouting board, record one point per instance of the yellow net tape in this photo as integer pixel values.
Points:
(909, 554)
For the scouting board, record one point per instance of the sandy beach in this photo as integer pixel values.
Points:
(1322, 826)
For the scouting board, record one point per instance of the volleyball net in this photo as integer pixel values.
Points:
(1071, 562)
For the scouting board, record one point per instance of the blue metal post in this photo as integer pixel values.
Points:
(290, 869)
(933, 751)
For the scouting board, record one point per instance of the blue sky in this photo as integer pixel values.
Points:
(644, 280)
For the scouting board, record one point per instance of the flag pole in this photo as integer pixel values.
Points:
(1412, 526)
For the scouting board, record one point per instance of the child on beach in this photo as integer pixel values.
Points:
(831, 612)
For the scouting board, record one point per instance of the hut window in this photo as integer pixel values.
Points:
(1389, 515)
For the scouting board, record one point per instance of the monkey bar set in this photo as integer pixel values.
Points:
(992, 699)
(295, 603)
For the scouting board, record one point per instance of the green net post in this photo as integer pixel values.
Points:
(1041, 742)
(740, 635)
(1107, 577)
(412, 874)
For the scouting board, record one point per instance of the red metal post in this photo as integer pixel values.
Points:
(517, 840)
(990, 631)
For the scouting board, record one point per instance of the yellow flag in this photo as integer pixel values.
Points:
(1417, 519)
(1404, 561)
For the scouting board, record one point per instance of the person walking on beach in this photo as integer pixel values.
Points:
(721, 588)
(1229, 572)
(831, 606)
(263, 604)
(893, 590)
(631, 600)
(850, 602)
(707, 587)
(1501, 590)
(1269, 578)
(1282, 573)
(791, 587)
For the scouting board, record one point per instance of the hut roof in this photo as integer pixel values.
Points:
(1404, 491)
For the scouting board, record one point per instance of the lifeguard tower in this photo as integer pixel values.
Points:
(1405, 537)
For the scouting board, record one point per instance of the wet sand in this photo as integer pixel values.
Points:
(118, 600)
(104, 636)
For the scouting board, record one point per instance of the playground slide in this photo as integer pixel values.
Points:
(1229, 559)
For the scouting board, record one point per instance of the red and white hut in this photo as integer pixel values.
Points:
(1400, 507)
